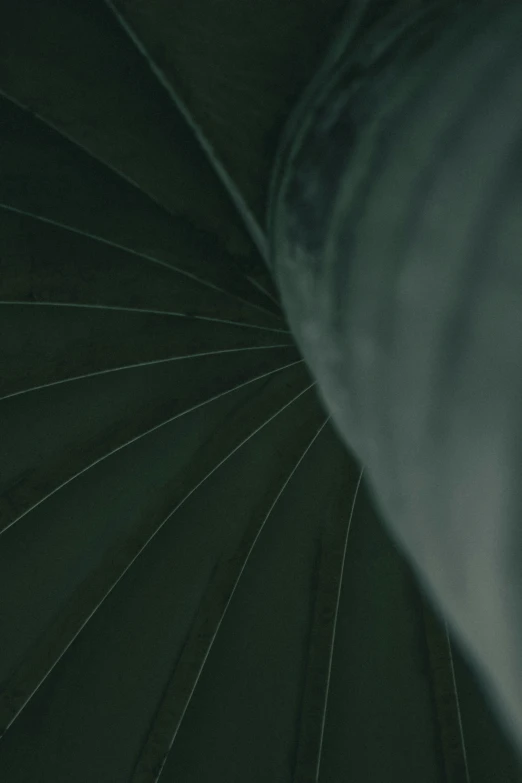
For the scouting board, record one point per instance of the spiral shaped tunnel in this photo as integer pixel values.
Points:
(197, 581)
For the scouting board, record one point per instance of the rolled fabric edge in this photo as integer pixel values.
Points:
(396, 241)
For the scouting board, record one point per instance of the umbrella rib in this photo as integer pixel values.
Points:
(334, 629)
(261, 288)
(128, 180)
(331, 564)
(6, 698)
(445, 692)
(138, 254)
(142, 435)
(86, 150)
(457, 704)
(141, 311)
(137, 365)
(155, 744)
(251, 223)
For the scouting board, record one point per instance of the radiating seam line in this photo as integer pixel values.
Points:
(76, 143)
(142, 435)
(141, 310)
(142, 364)
(147, 542)
(138, 254)
(245, 561)
(263, 290)
(243, 209)
(457, 702)
(334, 629)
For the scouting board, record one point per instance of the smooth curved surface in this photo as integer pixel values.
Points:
(397, 247)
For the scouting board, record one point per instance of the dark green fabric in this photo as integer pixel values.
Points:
(196, 582)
